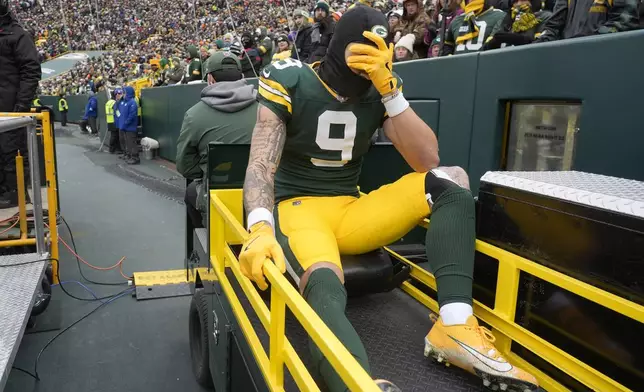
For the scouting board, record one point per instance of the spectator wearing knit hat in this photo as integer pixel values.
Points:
(283, 50)
(193, 72)
(303, 43)
(414, 21)
(322, 31)
(393, 17)
(435, 48)
(247, 55)
(404, 49)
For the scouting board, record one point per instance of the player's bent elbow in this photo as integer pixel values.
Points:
(434, 161)
(426, 163)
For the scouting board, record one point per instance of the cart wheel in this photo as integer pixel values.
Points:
(198, 328)
(43, 297)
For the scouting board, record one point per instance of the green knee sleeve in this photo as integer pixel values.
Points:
(326, 295)
(450, 242)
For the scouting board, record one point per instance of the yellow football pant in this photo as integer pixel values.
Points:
(316, 229)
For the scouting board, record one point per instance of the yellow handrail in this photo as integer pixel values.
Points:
(22, 202)
(225, 230)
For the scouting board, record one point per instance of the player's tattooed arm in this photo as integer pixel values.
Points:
(266, 148)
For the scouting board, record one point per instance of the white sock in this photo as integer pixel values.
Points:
(455, 313)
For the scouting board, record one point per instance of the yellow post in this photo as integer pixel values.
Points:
(52, 191)
(505, 302)
(22, 203)
(278, 319)
(217, 237)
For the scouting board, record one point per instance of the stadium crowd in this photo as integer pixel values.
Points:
(167, 42)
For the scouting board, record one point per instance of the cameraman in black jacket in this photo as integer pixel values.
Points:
(20, 70)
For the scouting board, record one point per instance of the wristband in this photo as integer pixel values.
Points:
(259, 215)
(395, 105)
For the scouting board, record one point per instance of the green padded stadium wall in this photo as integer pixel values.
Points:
(163, 109)
(449, 83)
(603, 73)
(76, 104)
(463, 98)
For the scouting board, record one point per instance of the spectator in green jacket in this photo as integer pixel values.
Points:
(194, 68)
(225, 114)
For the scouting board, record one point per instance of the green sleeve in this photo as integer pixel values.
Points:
(266, 46)
(188, 151)
(556, 23)
(195, 68)
(498, 25)
(450, 40)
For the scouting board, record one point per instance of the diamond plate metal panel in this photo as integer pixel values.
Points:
(594, 190)
(18, 285)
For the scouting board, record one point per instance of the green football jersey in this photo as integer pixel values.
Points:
(326, 138)
(489, 23)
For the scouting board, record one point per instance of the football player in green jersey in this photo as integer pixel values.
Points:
(470, 30)
(314, 124)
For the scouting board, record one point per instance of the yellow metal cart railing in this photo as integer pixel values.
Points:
(39, 125)
(502, 317)
(225, 230)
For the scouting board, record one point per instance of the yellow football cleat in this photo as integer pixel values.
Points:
(470, 347)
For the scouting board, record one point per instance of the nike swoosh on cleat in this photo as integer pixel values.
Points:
(489, 362)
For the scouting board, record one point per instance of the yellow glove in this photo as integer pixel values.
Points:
(259, 246)
(375, 62)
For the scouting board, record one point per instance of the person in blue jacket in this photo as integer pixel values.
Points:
(128, 124)
(119, 97)
(91, 113)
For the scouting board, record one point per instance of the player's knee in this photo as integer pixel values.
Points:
(322, 265)
(324, 288)
(439, 184)
(456, 198)
(456, 174)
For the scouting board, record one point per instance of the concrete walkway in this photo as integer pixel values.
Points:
(114, 210)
